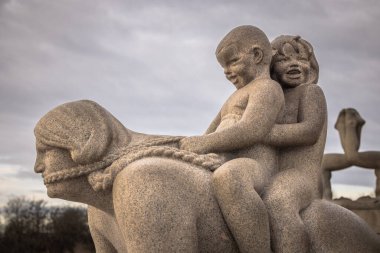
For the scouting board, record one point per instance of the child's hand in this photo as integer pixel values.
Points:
(194, 144)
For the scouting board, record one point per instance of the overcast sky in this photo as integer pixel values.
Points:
(152, 64)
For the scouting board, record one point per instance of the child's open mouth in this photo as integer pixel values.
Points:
(294, 73)
(232, 78)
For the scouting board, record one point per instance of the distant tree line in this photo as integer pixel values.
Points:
(30, 226)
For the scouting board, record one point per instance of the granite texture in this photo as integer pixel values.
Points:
(240, 129)
(300, 136)
(251, 183)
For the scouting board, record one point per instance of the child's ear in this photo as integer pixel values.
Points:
(257, 53)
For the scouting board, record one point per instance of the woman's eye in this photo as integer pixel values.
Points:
(43, 148)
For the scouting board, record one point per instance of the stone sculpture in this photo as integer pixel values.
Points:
(301, 137)
(349, 125)
(240, 129)
(81, 149)
(147, 195)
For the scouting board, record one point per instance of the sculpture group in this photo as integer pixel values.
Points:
(251, 183)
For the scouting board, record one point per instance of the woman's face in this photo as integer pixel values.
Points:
(293, 68)
(50, 160)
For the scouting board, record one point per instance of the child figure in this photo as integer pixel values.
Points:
(240, 129)
(302, 134)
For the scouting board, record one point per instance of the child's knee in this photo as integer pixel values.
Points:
(287, 198)
(224, 177)
(277, 201)
(232, 170)
(281, 196)
(234, 176)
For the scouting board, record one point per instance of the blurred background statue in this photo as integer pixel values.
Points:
(349, 125)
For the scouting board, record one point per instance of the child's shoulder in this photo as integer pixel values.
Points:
(307, 87)
(312, 86)
(265, 83)
(312, 89)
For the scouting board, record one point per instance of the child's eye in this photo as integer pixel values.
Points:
(234, 60)
(303, 60)
(282, 59)
(279, 58)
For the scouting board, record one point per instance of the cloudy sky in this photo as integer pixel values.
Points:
(152, 64)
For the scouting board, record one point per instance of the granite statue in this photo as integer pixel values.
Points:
(163, 202)
(150, 193)
(240, 129)
(301, 136)
(349, 125)
(165, 199)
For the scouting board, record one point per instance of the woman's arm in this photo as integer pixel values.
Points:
(102, 244)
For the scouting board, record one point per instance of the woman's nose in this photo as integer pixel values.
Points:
(39, 166)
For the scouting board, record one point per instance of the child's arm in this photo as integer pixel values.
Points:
(312, 117)
(264, 103)
(214, 124)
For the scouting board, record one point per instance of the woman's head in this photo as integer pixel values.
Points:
(81, 127)
(293, 61)
(73, 136)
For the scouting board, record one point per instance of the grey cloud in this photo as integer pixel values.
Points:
(152, 64)
(354, 176)
(27, 173)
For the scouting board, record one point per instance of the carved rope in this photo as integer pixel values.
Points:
(102, 179)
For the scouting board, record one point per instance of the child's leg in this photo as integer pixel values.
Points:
(289, 193)
(236, 185)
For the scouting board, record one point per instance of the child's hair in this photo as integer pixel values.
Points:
(247, 36)
(300, 46)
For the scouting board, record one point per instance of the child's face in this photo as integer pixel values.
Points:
(292, 69)
(239, 66)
